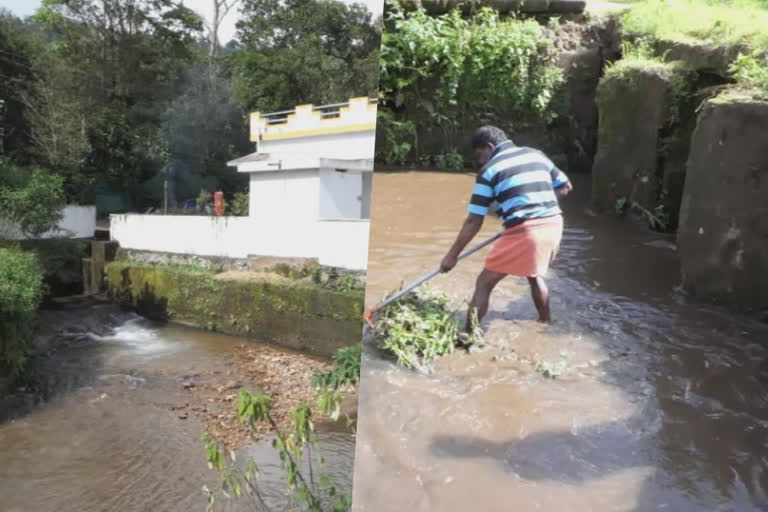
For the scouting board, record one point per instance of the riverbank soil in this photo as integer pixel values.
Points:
(112, 410)
(658, 403)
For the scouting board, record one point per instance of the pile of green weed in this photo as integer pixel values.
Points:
(418, 328)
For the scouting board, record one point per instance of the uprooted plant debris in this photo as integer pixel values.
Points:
(419, 328)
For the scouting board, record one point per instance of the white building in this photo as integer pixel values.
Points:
(312, 163)
(309, 193)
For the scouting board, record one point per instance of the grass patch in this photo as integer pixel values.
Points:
(419, 328)
(715, 23)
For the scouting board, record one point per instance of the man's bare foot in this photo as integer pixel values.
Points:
(543, 320)
(463, 340)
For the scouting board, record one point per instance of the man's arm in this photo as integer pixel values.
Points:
(560, 182)
(469, 229)
(564, 190)
(479, 205)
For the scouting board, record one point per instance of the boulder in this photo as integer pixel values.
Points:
(632, 110)
(723, 231)
(583, 68)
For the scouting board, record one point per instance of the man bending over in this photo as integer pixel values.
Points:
(524, 185)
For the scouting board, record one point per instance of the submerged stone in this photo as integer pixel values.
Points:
(723, 232)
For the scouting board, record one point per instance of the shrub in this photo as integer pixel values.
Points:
(240, 204)
(446, 71)
(21, 288)
(718, 23)
(31, 200)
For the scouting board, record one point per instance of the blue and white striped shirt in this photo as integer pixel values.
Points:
(521, 181)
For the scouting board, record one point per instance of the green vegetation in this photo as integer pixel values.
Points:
(742, 26)
(344, 372)
(21, 290)
(418, 328)
(751, 71)
(315, 492)
(31, 200)
(450, 161)
(304, 51)
(441, 73)
(30, 204)
(716, 23)
(240, 204)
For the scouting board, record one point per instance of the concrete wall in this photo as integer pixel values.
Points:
(76, 222)
(344, 244)
(340, 195)
(352, 145)
(296, 315)
(335, 243)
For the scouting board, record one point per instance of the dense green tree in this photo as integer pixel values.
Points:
(16, 77)
(122, 95)
(304, 51)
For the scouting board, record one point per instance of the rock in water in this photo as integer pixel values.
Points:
(724, 215)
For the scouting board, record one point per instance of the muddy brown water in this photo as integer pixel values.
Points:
(663, 404)
(105, 438)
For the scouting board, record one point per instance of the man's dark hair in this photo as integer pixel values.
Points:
(488, 135)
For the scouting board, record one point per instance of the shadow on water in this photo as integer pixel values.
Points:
(704, 427)
(570, 457)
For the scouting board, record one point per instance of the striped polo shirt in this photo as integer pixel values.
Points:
(521, 182)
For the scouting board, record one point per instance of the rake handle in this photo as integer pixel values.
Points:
(435, 272)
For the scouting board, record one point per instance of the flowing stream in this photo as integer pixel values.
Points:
(107, 435)
(662, 405)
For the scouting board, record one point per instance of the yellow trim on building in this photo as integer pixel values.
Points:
(359, 114)
(319, 131)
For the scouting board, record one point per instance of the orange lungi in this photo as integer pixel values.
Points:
(527, 250)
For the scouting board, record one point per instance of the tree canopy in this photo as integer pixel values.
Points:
(124, 94)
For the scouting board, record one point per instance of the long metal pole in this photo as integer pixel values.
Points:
(432, 274)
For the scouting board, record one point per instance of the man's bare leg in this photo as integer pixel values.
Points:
(486, 282)
(540, 294)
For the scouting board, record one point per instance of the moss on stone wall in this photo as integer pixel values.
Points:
(292, 314)
(644, 126)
